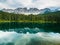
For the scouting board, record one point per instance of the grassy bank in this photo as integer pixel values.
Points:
(27, 21)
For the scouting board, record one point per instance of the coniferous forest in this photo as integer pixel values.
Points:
(52, 17)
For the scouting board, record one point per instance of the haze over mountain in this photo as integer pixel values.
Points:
(35, 6)
(41, 4)
(31, 10)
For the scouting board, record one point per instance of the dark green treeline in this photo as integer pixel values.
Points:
(53, 17)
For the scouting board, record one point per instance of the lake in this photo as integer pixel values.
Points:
(15, 33)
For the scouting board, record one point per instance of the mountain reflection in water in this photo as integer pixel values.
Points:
(40, 38)
(30, 27)
(29, 34)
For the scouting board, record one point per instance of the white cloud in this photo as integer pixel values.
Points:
(4, 6)
(29, 3)
(45, 3)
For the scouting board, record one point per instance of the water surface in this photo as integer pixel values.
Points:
(29, 34)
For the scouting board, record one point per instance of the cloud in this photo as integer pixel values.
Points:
(29, 3)
(45, 3)
(4, 6)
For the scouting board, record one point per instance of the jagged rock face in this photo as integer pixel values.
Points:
(23, 11)
(46, 10)
(8, 10)
(30, 11)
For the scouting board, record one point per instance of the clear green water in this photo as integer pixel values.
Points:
(15, 33)
(30, 27)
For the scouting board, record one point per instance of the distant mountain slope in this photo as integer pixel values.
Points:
(31, 10)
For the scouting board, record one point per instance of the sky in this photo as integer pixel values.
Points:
(40, 4)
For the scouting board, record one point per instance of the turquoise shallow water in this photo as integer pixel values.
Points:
(29, 34)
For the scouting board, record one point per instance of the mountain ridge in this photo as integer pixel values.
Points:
(30, 10)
